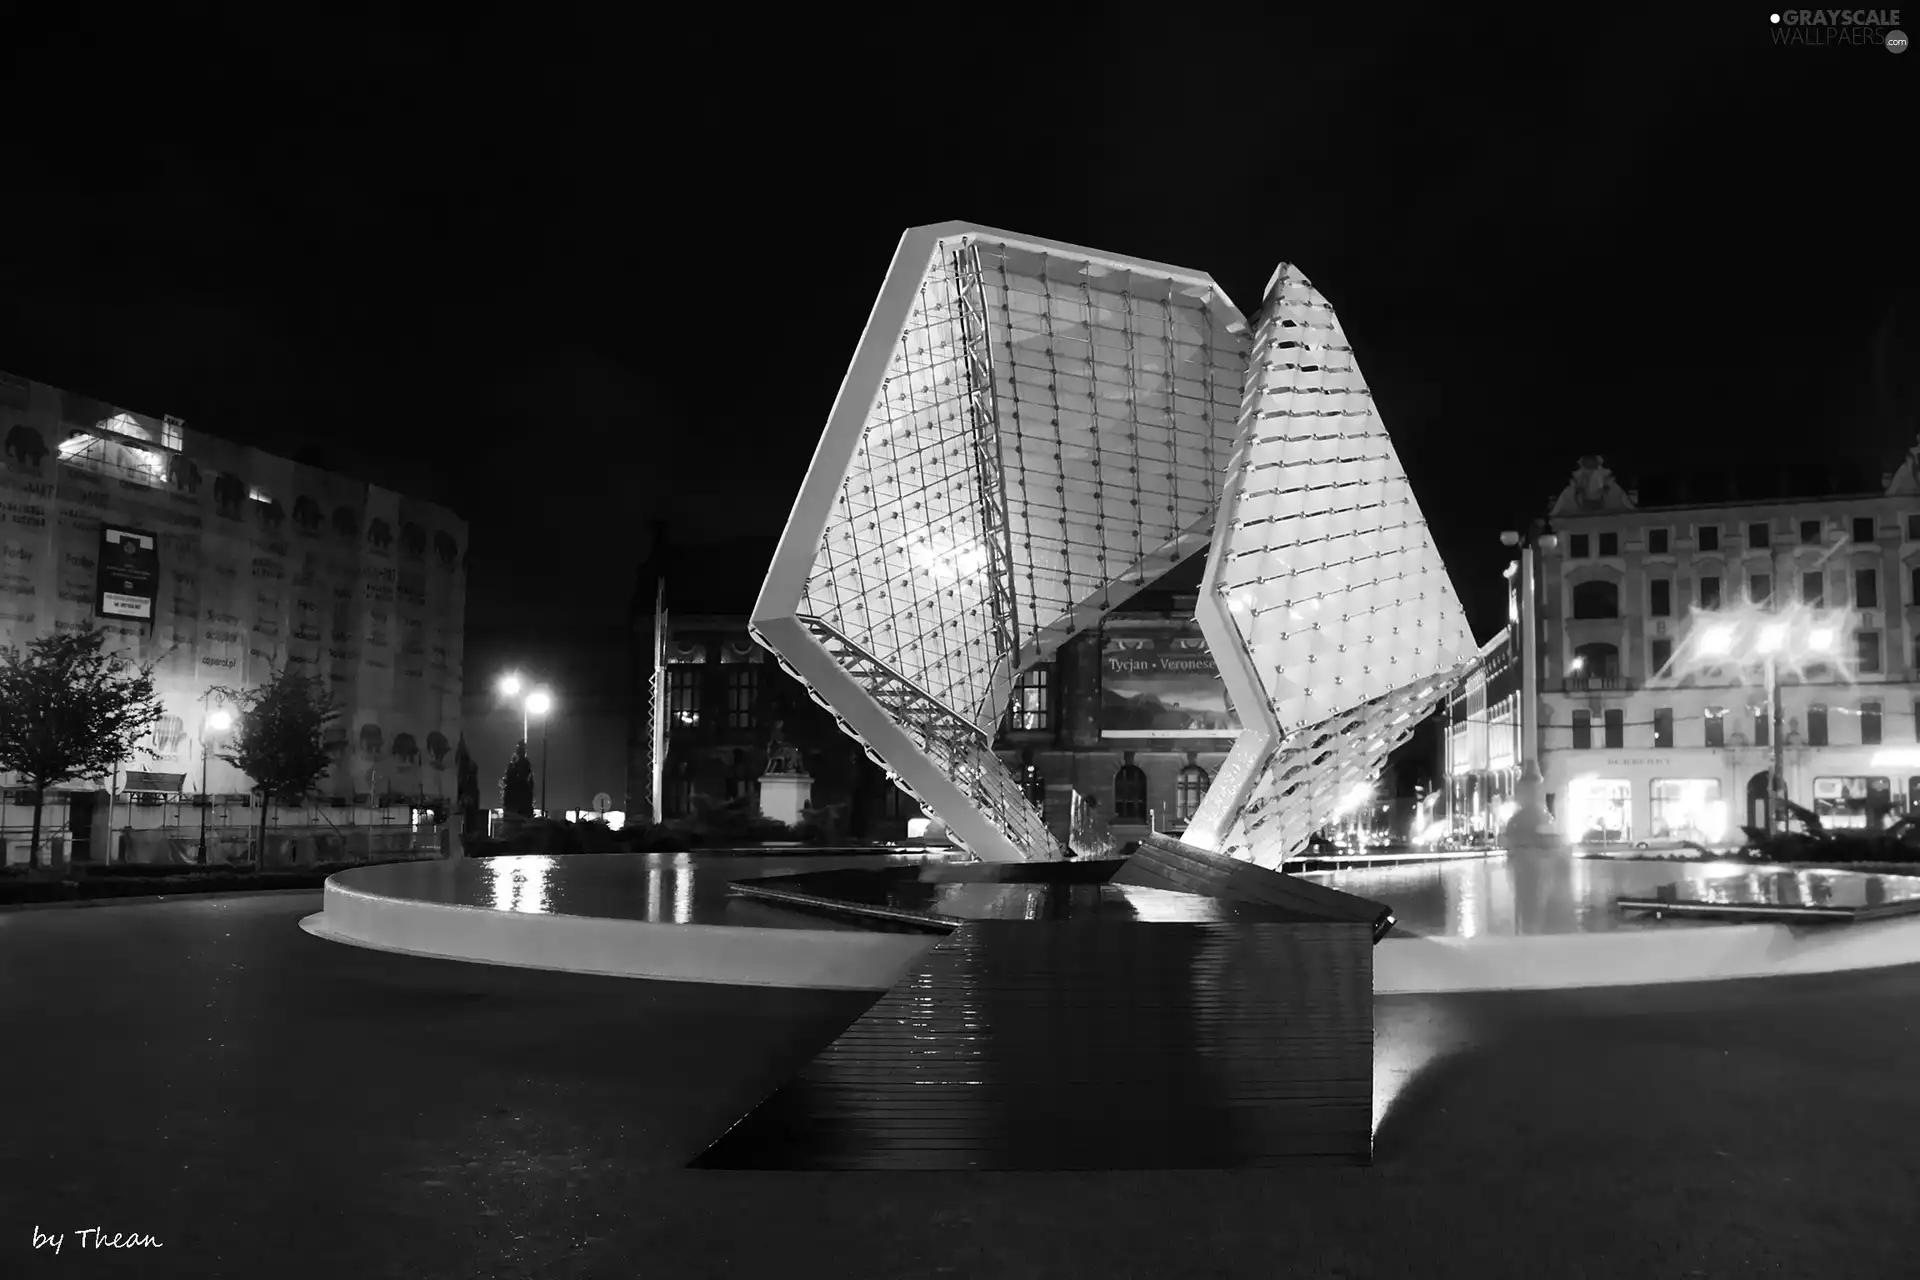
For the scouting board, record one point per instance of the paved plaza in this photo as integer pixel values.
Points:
(263, 1102)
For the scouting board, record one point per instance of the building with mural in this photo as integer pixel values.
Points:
(220, 564)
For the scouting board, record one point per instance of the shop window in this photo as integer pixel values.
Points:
(1032, 707)
(1809, 533)
(1583, 731)
(1130, 793)
(1866, 588)
(1609, 544)
(1869, 724)
(1662, 597)
(1863, 528)
(1599, 810)
(1816, 725)
(683, 695)
(1759, 587)
(1866, 651)
(1663, 726)
(1656, 542)
(1596, 600)
(1616, 728)
(1710, 592)
(1759, 536)
(1852, 801)
(1660, 653)
(743, 689)
(1686, 809)
(1577, 547)
(1716, 726)
(1813, 588)
(1709, 535)
(1190, 788)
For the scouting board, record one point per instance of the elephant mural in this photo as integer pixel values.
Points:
(445, 547)
(437, 748)
(372, 741)
(183, 473)
(379, 533)
(272, 516)
(229, 494)
(413, 540)
(26, 446)
(307, 514)
(405, 749)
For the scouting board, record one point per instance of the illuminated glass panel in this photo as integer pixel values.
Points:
(1325, 603)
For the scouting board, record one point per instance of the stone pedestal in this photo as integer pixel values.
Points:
(784, 795)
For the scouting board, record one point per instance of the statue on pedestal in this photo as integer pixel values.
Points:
(782, 756)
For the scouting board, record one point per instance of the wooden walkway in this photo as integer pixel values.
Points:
(1092, 1044)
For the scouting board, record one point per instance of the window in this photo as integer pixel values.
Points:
(1616, 728)
(1190, 788)
(1866, 588)
(1863, 528)
(1759, 587)
(678, 800)
(1656, 542)
(1716, 725)
(1869, 724)
(1916, 720)
(1816, 725)
(1809, 533)
(743, 687)
(1866, 651)
(1032, 700)
(1759, 536)
(1660, 653)
(1913, 588)
(1709, 535)
(1130, 794)
(1663, 597)
(1913, 528)
(1663, 726)
(1596, 600)
(683, 695)
(1609, 544)
(1762, 726)
(1577, 546)
(1033, 785)
(1597, 660)
(1813, 588)
(1852, 802)
(1685, 808)
(1583, 730)
(1710, 593)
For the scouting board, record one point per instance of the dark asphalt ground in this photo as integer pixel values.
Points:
(269, 1105)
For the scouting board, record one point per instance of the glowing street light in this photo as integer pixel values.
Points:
(538, 703)
(1717, 640)
(218, 721)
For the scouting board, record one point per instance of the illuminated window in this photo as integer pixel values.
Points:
(1596, 600)
(683, 695)
(1759, 536)
(743, 688)
(1130, 793)
(1656, 542)
(1810, 533)
(1599, 810)
(1813, 588)
(1686, 809)
(1866, 651)
(1190, 788)
(1716, 726)
(1583, 730)
(1710, 592)
(1616, 728)
(1863, 528)
(1662, 597)
(1609, 544)
(1869, 724)
(1816, 725)
(1852, 802)
(1032, 707)
(1709, 535)
(1663, 726)
(1759, 587)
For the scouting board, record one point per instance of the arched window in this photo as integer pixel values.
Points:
(1130, 793)
(1597, 599)
(1189, 789)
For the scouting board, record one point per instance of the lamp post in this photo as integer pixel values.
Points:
(538, 703)
(510, 686)
(217, 721)
(1530, 829)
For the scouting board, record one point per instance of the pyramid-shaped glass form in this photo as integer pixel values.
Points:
(1327, 608)
(1028, 434)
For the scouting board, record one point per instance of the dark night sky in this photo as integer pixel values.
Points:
(573, 277)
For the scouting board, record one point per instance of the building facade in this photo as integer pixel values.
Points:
(1633, 752)
(220, 564)
(1482, 719)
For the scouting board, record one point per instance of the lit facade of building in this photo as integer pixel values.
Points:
(1031, 433)
(237, 562)
(1634, 752)
(1482, 722)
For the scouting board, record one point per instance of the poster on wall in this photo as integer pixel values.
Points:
(1157, 680)
(129, 580)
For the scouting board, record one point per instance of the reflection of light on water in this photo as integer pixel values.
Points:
(682, 893)
(1469, 904)
(656, 894)
(519, 883)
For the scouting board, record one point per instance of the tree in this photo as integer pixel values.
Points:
(466, 790)
(516, 784)
(70, 710)
(279, 738)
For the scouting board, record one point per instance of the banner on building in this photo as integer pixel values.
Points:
(1157, 680)
(129, 573)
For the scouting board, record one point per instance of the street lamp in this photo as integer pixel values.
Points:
(1768, 636)
(217, 721)
(538, 703)
(1530, 829)
(510, 686)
